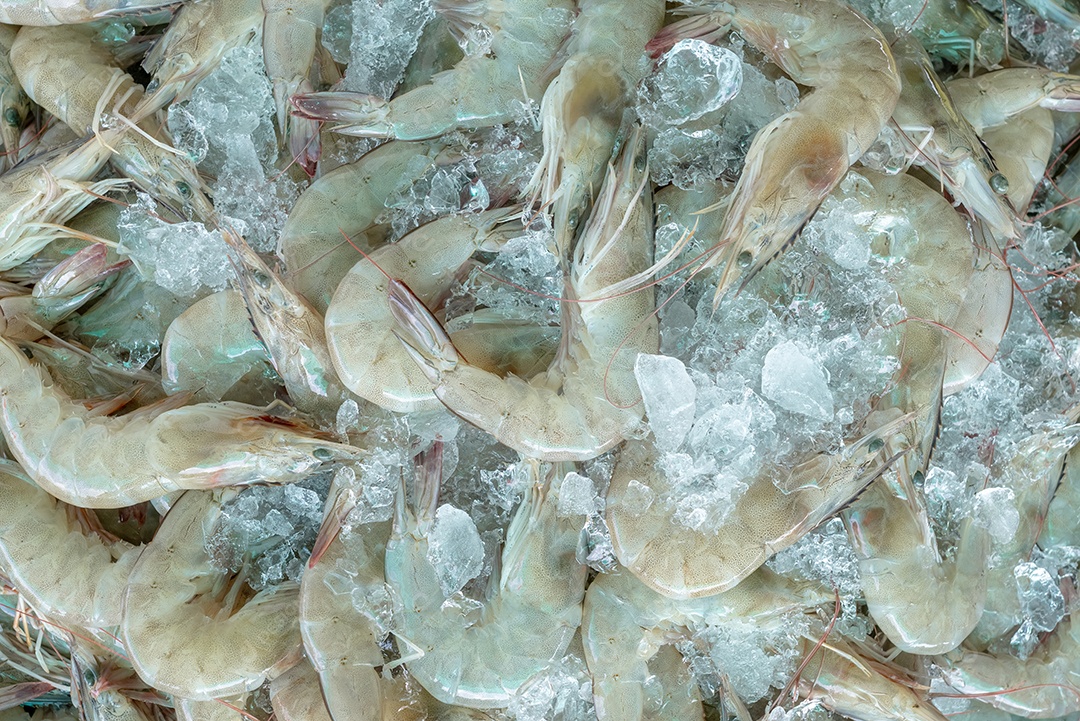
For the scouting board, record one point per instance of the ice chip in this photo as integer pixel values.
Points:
(1040, 597)
(669, 396)
(577, 496)
(995, 510)
(795, 382)
(455, 550)
(691, 79)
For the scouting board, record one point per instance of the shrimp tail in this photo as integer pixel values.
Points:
(420, 333)
(362, 115)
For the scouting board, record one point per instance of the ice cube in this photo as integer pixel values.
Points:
(995, 510)
(795, 382)
(577, 496)
(383, 39)
(455, 550)
(669, 396)
(691, 79)
(1041, 599)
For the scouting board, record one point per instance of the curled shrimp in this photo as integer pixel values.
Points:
(480, 91)
(587, 401)
(795, 161)
(189, 630)
(527, 622)
(98, 461)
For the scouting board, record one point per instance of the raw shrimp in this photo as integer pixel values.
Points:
(212, 352)
(200, 35)
(14, 104)
(219, 709)
(68, 574)
(622, 617)
(38, 197)
(1032, 473)
(342, 643)
(959, 32)
(290, 37)
(73, 76)
(528, 619)
(190, 631)
(990, 100)
(945, 144)
(771, 515)
(582, 110)
(480, 91)
(797, 159)
(65, 12)
(368, 358)
(1048, 682)
(347, 200)
(292, 332)
(587, 402)
(924, 604)
(102, 462)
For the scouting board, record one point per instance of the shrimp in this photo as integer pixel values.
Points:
(73, 76)
(39, 197)
(950, 149)
(290, 38)
(219, 709)
(682, 563)
(295, 695)
(64, 12)
(292, 332)
(211, 351)
(1062, 527)
(480, 91)
(905, 582)
(620, 614)
(14, 104)
(347, 200)
(368, 358)
(184, 624)
(200, 35)
(598, 404)
(990, 100)
(102, 462)
(960, 32)
(526, 622)
(1032, 473)
(795, 161)
(582, 109)
(78, 579)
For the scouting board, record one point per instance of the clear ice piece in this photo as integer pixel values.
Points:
(455, 550)
(670, 398)
(1040, 597)
(796, 382)
(577, 496)
(691, 79)
(995, 510)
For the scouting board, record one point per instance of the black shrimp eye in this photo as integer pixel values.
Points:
(11, 117)
(639, 163)
(745, 259)
(876, 445)
(261, 279)
(573, 219)
(322, 454)
(184, 188)
(999, 183)
(918, 477)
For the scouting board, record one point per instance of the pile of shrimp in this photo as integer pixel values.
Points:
(539, 360)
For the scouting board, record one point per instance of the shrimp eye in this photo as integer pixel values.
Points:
(999, 183)
(261, 279)
(572, 221)
(184, 188)
(639, 163)
(322, 454)
(745, 259)
(918, 477)
(876, 445)
(11, 117)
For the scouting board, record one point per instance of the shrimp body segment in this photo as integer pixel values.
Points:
(65, 12)
(112, 462)
(797, 159)
(183, 638)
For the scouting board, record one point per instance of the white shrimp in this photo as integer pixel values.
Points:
(295, 695)
(78, 579)
(345, 203)
(102, 462)
(795, 161)
(991, 99)
(480, 91)
(527, 621)
(14, 104)
(368, 358)
(588, 401)
(187, 632)
(65, 12)
(1022, 149)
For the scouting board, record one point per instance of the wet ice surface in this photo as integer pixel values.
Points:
(690, 80)
(376, 39)
(455, 550)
